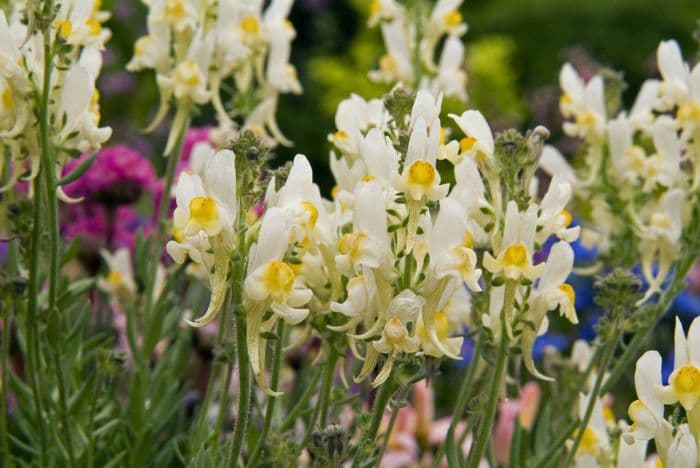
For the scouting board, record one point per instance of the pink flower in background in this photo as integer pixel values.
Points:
(504, 429)
(119, 175)
(194, 136)
(104, 227)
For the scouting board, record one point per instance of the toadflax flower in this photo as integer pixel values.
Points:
(204, 224)
(119, 282)
(271, 283)
(514, 261)
(676, 444)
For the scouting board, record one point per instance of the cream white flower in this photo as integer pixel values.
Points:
(660, 238)
(383, 10)
(420, 180)
(641, 115)
(204, 220)
(281, 74)
(595, 442)
(360, 293)
(301, 199)
(354, 117)
(451, 78)
(647, 413)
(554, 218)
(585, 103)
(119, 282)
(553, 162)
(79, 106)
(368, 244)
(396, 64)
(514, 261)
(451, 246)
(78, 26)
(271, 283)
(684, 382)
(478, 140)
(152, 50)
(396, 338)
(551, 292)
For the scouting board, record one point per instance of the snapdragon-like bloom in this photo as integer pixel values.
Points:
(119, 282)
(395, 337)
(584, 103)
(271, 283)
(676, 446)
(204, 225)
(477, 142)
(551, 292)
(514, 261)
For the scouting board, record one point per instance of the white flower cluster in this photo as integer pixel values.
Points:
(194, 45)
(395, 251)
(411, 41)
(650, 155)
(77, 39)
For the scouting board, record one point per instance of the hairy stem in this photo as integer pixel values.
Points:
(244, 394)
(271, 401)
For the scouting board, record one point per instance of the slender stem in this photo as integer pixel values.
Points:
(301, 403)
(33, 349)
(479, 447)
(91, 426)
(321, 407)
(464, 393)
(244, 394)
(327, 386)
(592, 398)
(4, 365)
(48, 169)
(213, 377)
(386, 391)
(225, 384)
(271, 401)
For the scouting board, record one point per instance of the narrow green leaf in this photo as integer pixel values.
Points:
(78, 171)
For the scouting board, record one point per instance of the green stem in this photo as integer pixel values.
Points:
(593, 397)
(4, 363)
(213, 377)
(33, 349)
(48, 169)
(479, 447)
(225, 385)
(321, 407)
(301, 403)
(271, 401)
(327, 386)
(386, 391)
(91, 426)
(244, 395)
(484, 435)
(464, 393)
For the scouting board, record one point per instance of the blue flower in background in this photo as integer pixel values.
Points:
(583, 254)
(557, 341)
(586, 330)
(686, 305)
(666, 367)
